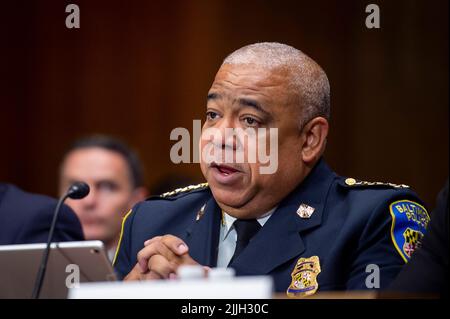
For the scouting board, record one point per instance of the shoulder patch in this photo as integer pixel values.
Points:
(351, 182)
(184, 190)
(409, 224)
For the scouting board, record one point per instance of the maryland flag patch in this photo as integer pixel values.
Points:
(409, 224)
(412, 241)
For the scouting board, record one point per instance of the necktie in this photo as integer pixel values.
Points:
(245, 229)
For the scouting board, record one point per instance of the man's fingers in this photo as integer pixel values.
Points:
(187, 260)
(173, 276)
(161, 266)
(134, 274)
(149, 276)
(155, 248)
(178, 246)
(152, 240)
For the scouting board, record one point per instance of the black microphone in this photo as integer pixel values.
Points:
(77, 190)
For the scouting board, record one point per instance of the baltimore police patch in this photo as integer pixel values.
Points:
(409, 224)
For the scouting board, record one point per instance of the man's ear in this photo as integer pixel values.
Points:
(315, 135)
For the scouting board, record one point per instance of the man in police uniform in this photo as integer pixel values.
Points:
(305, 226)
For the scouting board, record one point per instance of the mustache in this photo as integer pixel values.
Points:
(220, 155)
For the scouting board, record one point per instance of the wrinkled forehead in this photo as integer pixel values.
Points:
(252, 78)
(255, 73)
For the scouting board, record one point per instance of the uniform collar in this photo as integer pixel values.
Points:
(280, 240)
(228, 221)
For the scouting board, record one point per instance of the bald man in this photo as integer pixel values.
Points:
(299, 222)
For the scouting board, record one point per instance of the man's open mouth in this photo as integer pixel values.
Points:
(224, 169)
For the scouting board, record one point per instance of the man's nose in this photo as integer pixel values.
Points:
(90, 200)
(226, 138)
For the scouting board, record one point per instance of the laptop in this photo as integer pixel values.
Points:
(69, 264)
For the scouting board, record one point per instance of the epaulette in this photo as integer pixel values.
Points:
(184, 190)
(351, 182)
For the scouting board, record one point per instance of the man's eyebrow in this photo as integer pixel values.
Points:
(243, 102)
(70, 181)
(254, 104)
(213, 96)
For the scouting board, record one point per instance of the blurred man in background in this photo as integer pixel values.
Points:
(114, 174)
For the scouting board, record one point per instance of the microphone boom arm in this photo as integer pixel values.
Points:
(77, 190)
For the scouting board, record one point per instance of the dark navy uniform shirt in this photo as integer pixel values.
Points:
(26, 218)
(357, 230)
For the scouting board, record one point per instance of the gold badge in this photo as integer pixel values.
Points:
(305, 211)
(304, 277)
(200, 213)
